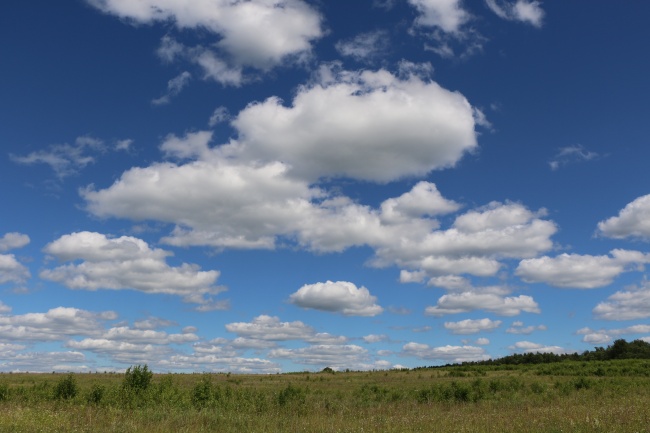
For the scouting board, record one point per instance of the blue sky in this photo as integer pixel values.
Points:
(284, 185)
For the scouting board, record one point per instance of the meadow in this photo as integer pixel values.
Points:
(569, 396)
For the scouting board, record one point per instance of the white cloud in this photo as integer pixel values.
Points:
(448, 15)
(364, 46)
(448, 354)
(335, 356)
(174, 87)
(368, 125)
(630, 304)
(374, 338)
(471, 326)
(518, 327)
(257, 33)
(218, 363)
(527, 11)
(603, 336)
(530, 347)
(11, 270)
(121, 351)
(482, 341)
(56, 324)
(571, 154)
(632, 221)
(340, 296)
(127, 263)
(491, 302)
(44, 362)
(219, 115)
(65, 159)
(269, 328)
(580, 271)
(12, 241)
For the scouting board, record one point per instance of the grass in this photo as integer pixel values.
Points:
(604, 396)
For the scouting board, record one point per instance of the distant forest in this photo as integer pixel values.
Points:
(620, 349)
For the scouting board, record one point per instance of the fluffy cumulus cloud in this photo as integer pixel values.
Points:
(370, 125)
(471, 326)
(11, 270)
(56, 324)
(489, 299)
(268, 328)
(580, 271)
(100, 262)
(340, 296)
(603, 336)
(630, 304)
(527, 11)
(447, 354)
(12, 241)
(632, 221)
(257, 33)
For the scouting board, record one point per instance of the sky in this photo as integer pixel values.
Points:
(271, 186)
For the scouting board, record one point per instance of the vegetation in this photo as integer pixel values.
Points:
(584, 394)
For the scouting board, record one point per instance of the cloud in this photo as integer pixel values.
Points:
(268, 328)
(364, 46)
(56, 324)
(570, 155)
(447, 15)
(12, 241)
(518, 327)
(174, 87)
(530, 347)
(341, 296)
(218, 363)
(11, 270)
(448, 354)
(256, 33)
(219, 115)
(127, 263)
(630, 304)
(580, 271)
(632, 221)
(367, 125)
(470, 326)
(44, 362)
(603, 336)
(325, 355)
(65, 159)
(374, 338)
(492, 301)
(527, 11)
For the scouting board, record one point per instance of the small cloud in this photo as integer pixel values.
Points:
(174, 87)
(340, 296)
(364, 46)
(219, 115)
(570, 155)
(525, 11)
(124, 145)
(65, 159)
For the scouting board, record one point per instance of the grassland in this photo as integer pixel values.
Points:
(569, 396)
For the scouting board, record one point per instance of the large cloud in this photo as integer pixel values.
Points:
(447, 15)
(580, 271)
(632, 221)
(258, 33)
(268, 328)
(492, 301)
(339, 296)
(127, 263)
(13, 240)
(369, 125)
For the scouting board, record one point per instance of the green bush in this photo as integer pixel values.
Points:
(96, 394)
(202, 393)
(137, 378)
(66, 388)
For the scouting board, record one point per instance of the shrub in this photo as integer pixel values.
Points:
(66, 388)
(202, 392)
(137, 378)
(4, 392)
(95, 394)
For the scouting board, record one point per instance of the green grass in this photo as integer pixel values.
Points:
(599, 396)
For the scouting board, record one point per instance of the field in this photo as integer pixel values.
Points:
(570, 396)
